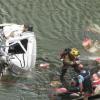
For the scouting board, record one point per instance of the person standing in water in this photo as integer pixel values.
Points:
(69, 57)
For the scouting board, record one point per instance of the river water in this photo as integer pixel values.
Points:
(57, 24)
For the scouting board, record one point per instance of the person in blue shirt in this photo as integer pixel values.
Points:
(84, 79)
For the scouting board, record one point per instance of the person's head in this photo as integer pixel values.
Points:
(74, 52)
(87, 43)
(80, 67)
(95, 77)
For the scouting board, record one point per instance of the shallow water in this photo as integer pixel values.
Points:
(57, 24)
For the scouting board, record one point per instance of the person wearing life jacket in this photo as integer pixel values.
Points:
(84, 79)
(69, 57)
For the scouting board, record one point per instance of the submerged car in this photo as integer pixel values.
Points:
(19, 53)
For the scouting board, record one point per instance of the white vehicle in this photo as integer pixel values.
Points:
(19, 53)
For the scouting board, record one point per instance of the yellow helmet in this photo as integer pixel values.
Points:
(74, 52)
